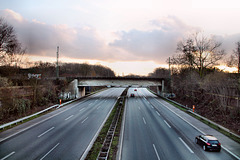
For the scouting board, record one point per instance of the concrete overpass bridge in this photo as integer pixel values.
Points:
(77, 85)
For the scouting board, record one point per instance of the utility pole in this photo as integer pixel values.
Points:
(170, 76)
(57, 68)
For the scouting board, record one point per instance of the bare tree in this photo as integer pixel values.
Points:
(10, 49)
(198, 52)
(234, 59)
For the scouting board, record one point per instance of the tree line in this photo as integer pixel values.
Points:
(194, 78)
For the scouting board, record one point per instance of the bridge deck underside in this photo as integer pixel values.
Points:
(119, 83)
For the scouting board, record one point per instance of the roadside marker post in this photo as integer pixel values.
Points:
(193, 108)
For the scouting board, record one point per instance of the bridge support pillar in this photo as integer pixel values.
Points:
(82, 91)
(160, 89)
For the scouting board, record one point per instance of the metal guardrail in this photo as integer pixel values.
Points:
(209, 121)
(106, 146)
(40, 112)
(27, 117)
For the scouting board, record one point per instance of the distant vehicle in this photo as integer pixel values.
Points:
(208, 142)
(135, 89)
(132, 95)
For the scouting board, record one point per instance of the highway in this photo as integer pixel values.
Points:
(66, 134)
(152, 131)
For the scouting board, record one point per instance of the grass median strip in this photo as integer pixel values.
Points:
(94, 152)
(114, 146)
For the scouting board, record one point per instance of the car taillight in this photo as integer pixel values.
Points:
(219, 144)
(208, 144)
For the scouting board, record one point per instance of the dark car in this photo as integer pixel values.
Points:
(132, 95)
(208, 142)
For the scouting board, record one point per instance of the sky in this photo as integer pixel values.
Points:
(129, 36)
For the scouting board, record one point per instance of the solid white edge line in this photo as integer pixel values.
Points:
(7, 156)
(181, 117)
(122, 132)
(45, 132)
(68, 117)
(234, 155)
(156, 152)
(186, 145)
(95, 136)
(144, 120)
(157, 113)
(84, 120)
(49, 151)
(167, 124)
(41, 121)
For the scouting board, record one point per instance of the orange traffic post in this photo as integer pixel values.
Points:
(193, 108)
(60, 101)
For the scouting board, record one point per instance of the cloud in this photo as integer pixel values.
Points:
(42, 39)
(156, 44)
(228, 42)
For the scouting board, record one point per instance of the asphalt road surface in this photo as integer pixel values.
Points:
(152, 131)
(66, 134)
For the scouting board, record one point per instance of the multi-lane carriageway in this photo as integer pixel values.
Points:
(150, 131)
(65, 134)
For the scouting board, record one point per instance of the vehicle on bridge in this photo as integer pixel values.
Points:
(208, 142)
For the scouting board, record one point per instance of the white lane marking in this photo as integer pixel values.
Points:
(151, 106)
(156, 152)
(234, 155)
(90, 104)
(45, 132)
(68, 117)
(139, 108)
(181, 117)
(81, 109)
(8, 156)
(95, 136)
(186, 145)
(49, 151)
(157, 113)
(41, 121)
(84, 120)
(167, 124)
(196, 128)
(144, 120)
(122, 132)
(98, 107)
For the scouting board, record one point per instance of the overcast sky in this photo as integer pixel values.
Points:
(129, 36)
